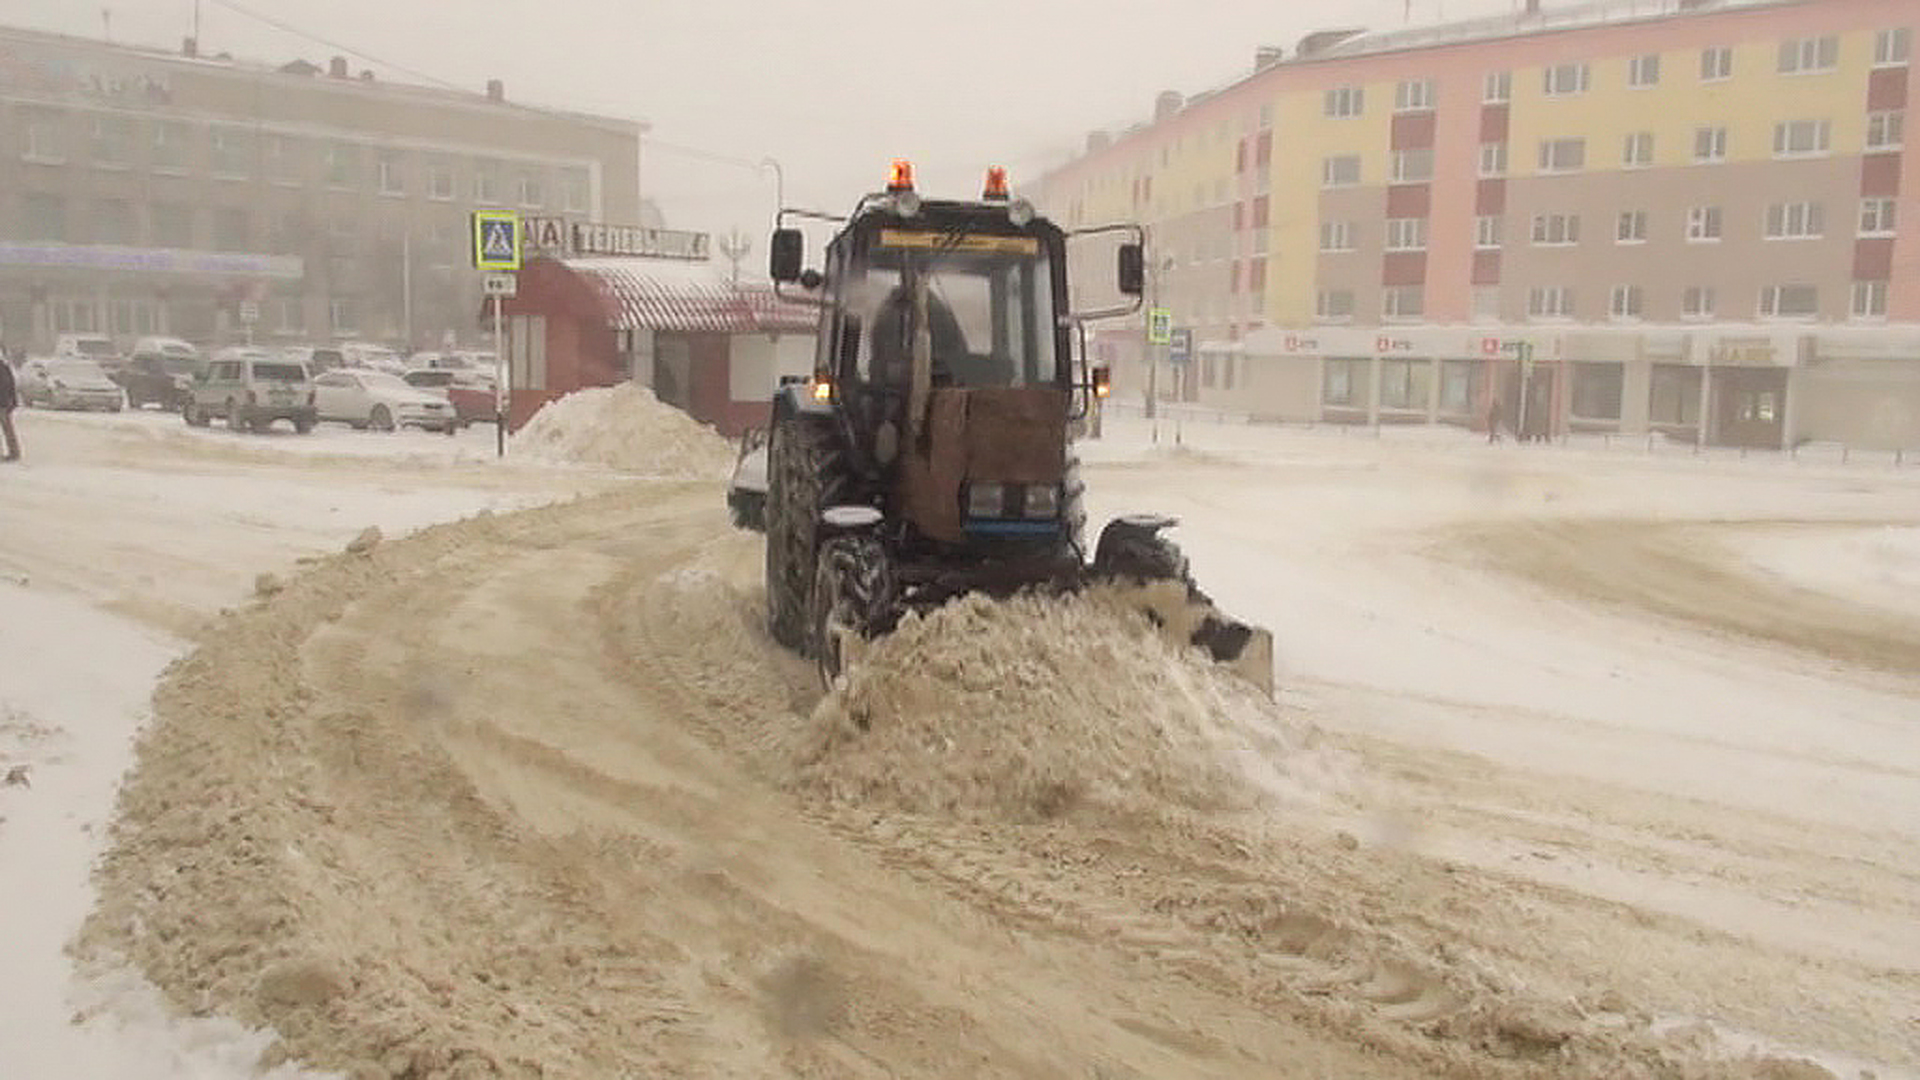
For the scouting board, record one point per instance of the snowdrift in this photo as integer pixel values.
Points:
(624, 427)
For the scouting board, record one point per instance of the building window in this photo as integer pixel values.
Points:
(1673, 395)
(172, 144)
(1703, 223)
(113, 222)
(1413, 95)
(1407, 234)
(1876, 217)
(440, 179)
(1550, 302)
(283, 159)
(1789, 302)
(1403, 302)
(1885, 130)
(1801, 55)
(43, 217)
(1336, 236)
(532, 190)
(1632, 227)
(1486, 303)
(1716, 63)
(343, 164)
(1890, 47)
(1696, 302)
(1801, 138)
(1497, 87)
(1344, 101)
(229, 229)
(1624, 303)
(486, 183)
(574, 191)
(1597, 390)
(1556, 229)
(1709, 144)
(46, 135)
(1564, 80)
(389, 174)
(1644, 70)
(1413, 166)
(230, 151)
(1333, 305)
(1403, 384)
(340, 315)
(1869, 300)
(1795, 221)
(1486, 231)
(1562, 155)
(1345, 380)
(1493, 159)
(112, 139)
(1637, 150)
(292, 315)
(172, 225)
(1341, 171)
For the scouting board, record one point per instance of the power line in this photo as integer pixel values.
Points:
(288, 28)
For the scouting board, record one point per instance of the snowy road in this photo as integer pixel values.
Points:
(1588, 799)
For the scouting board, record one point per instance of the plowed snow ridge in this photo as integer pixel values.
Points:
(1030, 708)
(624, 427)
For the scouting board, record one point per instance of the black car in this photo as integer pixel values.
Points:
(158, 379)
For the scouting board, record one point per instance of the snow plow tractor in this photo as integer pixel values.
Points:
(930, 454)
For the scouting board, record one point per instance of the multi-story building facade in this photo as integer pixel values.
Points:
(147, 192)
(1627, 215)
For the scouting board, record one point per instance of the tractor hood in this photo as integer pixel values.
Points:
(990, 435)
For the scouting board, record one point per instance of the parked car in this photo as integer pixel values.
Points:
(251, 388)
(472, 402)
(68, 382)
(98, 348)
(318, 358)
(365, 354)
(382, 401)
(476, 366)
(160, 372)
(747, 487)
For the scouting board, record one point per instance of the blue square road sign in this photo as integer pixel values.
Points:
(496, 240)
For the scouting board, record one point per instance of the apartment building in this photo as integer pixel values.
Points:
(1677, 215)
(150, 192)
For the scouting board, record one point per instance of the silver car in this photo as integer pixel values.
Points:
(69, 383)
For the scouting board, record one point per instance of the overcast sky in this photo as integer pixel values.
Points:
(833, 89)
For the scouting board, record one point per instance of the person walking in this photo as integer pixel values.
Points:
(9, 397)
(1493, 420)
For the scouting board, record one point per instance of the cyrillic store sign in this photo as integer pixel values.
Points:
(562, 238)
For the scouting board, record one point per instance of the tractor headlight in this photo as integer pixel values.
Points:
(1043, 501)
(986, 500)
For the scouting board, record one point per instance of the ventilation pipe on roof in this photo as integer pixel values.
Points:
(1533, 7)
(190, 47)
(1266, 56)
(1166, 104)
(337, 67)
(496, 90)
(1097, 141)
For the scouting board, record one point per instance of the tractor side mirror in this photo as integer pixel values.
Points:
(1102, 381)
(785, 255)
(1133, 269)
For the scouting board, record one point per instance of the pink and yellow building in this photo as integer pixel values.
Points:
(1687, 216)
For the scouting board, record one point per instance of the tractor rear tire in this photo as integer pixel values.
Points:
(806, 472)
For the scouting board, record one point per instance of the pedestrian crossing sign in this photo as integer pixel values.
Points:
(496, 240)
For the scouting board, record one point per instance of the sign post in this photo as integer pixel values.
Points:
(496, 252)
(249, 315)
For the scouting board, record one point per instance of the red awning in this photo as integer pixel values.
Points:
(688, 297)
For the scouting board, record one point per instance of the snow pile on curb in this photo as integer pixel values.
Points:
(1035, 707)
(624, 427)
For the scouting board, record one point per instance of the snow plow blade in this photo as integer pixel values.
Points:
(1186, 618)
(1133, 554)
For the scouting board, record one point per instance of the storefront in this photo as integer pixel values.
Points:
(48, 289)
(667, 319)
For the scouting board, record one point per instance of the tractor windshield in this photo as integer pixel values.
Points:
(989, 308)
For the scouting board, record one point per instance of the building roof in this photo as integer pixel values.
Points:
(306, 73)
(688, 297)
